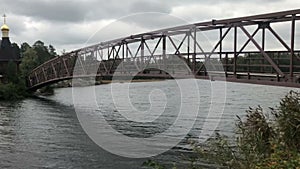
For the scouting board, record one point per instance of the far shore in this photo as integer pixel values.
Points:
(84, 82)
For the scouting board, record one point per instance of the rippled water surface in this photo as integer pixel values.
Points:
(44, 132)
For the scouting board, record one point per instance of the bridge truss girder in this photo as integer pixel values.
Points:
(156, 47)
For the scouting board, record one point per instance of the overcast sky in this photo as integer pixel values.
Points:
(68, 24)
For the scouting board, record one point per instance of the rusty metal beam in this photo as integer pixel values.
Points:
(179, 46)
(164, 51)
(222, 37)
(221, 44)
(152, 52)
(293, 25)
(263, 38)
(216, 46)
(44, 73)
(266, 56)
(247, 42)
(280, 40)
(235, 51)
(53, 69)
(65, 65)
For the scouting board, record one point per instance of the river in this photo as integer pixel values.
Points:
(44, 132)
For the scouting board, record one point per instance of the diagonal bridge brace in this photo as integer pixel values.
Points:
(214, 49)
(266, 56)
(282, 41)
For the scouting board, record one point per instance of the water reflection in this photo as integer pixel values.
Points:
(42, 133)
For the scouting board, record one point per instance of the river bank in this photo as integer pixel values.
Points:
(92, 82)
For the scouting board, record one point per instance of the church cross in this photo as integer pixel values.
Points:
(4, 18)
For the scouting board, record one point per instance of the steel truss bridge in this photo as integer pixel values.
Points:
(150, 55)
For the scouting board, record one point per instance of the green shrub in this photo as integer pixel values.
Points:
(264, 144)
(12, 91)
(155, 165)
(254, 136)
(218, 150)
(280, 158)
(287, 118)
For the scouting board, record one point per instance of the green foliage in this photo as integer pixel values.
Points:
(52, 51)
(12, 91)
(254, 136)
(220, 150)
(288, 120)
(31, 58)
(29, 61)
(24, 47)
(155, 165)
(262, 144)
(280, 158)
(43, 52)
(35, 55)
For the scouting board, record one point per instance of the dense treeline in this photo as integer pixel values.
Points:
(31, 56)
(34, 55)
(257, 63)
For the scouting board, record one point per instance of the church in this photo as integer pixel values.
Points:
(9, 54)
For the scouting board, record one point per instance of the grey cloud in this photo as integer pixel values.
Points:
(68, 13)
(17, 25)
(87, 10)
(153, 6)
(47, 10)
(154, 21)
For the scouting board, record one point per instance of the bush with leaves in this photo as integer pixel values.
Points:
(280, 158)
(255, 135)
(264, 143)
(12, 91)
(287, 117)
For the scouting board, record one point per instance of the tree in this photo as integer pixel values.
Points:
(52, 51)
(24, 47)
(38, 44)
(29, 61)
(31, 58)
(16, 49)
(35, 55)
(43, 52)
